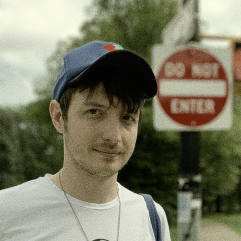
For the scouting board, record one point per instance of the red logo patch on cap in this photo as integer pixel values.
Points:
(112, 47)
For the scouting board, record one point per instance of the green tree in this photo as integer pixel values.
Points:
(136, 24)
(221, 160)
(20, 150)
(10, 149)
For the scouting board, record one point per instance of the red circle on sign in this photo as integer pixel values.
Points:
(192, 87)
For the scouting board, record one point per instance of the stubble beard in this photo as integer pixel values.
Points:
(91, 170)
(102, 171)
(105, 173)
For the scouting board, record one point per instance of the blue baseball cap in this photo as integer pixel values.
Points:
(81, 61)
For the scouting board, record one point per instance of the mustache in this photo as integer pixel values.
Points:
(109, 146)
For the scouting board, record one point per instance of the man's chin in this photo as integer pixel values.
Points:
(102, 174)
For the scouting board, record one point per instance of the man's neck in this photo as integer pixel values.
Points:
(86, 187)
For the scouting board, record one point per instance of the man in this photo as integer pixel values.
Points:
(96, 106)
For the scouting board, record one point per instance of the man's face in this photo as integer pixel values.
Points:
(99, 138)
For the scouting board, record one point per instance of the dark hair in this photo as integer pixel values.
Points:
(117, 81)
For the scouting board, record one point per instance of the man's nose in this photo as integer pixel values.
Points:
(112, 131)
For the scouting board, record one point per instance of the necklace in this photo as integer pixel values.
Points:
(118, 230)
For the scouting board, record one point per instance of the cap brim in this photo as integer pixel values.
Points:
(133, 62)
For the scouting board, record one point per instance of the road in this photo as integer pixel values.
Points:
(213, 231)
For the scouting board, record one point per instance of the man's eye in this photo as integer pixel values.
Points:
(94, 112)
(128, 118)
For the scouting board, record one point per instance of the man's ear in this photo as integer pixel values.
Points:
(56, 116)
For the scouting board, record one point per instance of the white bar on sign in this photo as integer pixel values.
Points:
(191, 88)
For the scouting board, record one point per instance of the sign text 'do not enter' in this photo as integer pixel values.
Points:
(192, 87)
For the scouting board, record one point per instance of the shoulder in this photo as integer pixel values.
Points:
(137, 202)
(22, 194)
(25, 187)
(160, 210)
(12, 191)
(131, 197)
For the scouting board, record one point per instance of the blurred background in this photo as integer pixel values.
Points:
(35, 35)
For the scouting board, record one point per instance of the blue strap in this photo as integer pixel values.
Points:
(155, 219)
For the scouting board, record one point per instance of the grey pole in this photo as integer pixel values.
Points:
(189, 193)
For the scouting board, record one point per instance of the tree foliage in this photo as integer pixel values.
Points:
(136, 24)
(22, 155)
(221, 161)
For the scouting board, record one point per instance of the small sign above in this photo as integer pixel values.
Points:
(182, 27)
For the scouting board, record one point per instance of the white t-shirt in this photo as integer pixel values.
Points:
(39, 210)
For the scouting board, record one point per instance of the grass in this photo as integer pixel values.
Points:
(232, 221)
(173, 232)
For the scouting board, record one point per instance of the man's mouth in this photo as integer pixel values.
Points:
(108, 153)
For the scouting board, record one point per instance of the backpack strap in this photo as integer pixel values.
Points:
(154, 217)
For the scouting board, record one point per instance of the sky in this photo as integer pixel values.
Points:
(30, 30)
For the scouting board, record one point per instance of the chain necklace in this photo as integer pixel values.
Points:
(118, 231)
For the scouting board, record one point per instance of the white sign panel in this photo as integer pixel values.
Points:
(194, 88)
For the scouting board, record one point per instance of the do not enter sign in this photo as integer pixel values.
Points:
(193, 87)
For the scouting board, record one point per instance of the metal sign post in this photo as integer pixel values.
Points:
(189, 186)
(189, 171)
(182, 29)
